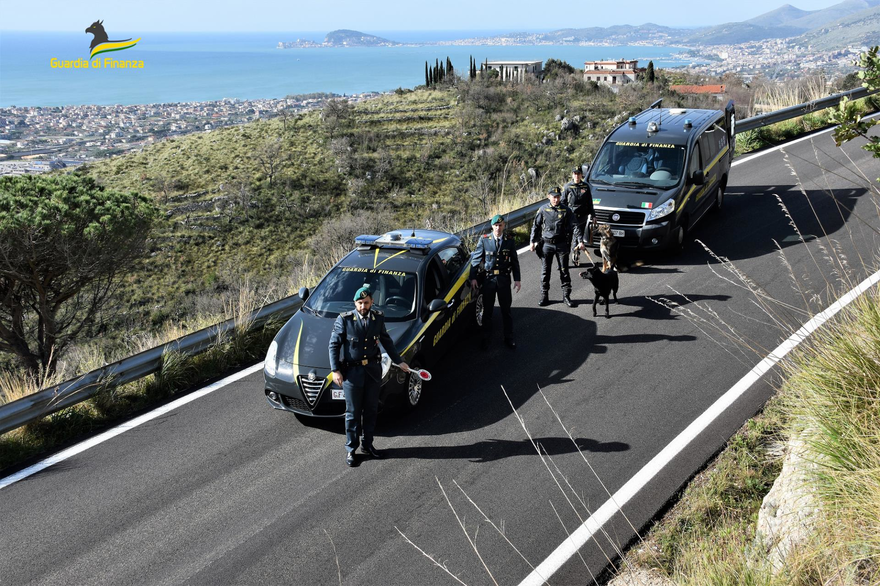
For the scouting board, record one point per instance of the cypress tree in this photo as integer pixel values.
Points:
(427, 78)
(649, 72)
(449, 69)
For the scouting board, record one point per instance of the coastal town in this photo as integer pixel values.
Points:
(39, 139)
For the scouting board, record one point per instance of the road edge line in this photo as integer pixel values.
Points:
(603, 514)
(127, 426)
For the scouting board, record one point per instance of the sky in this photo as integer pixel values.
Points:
(375, 15)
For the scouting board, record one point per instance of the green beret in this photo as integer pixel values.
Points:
(363, 292)
(496, 219)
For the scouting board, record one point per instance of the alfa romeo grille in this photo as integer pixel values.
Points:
(629, 218)
(311, 389)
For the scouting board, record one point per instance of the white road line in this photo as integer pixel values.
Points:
(601, 516)
(99, 439)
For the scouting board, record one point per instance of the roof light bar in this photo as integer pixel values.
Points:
(393, 240)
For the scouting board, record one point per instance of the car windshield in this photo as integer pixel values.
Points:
(393, 292)
(639, 164)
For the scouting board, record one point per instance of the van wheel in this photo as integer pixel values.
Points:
(679, 239)
(719, 197)
(415, 388)
(478, 311)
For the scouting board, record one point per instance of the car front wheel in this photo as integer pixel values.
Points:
(415, 387)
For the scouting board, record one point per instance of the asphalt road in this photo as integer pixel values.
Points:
(225, 490)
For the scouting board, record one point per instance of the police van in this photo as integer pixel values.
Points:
(657, 174)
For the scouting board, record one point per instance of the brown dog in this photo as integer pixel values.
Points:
(608, 246)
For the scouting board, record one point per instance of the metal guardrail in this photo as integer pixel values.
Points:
(799, 110)
(66, 394)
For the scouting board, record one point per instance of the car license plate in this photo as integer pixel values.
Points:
(618, 233)
(338, 395)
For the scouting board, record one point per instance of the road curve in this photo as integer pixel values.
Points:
(224, 490)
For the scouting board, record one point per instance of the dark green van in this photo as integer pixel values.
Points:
(657, 174)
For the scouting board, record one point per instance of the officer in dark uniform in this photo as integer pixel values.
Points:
(494, 259)
(576, 195)
(355, 358)
(552, 235)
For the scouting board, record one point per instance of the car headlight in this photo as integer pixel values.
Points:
(386, 364)
(662, 210)
(271, 362)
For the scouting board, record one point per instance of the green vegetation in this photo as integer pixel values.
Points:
(64, 244)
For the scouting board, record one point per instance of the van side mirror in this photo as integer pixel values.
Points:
(303, 293)
(698, 178)
(436, 305)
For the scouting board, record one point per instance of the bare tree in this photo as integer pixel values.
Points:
(336, 114)
(271, 156)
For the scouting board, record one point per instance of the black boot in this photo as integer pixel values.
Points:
(566, 297)
(545, 300)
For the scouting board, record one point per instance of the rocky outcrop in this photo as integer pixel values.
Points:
(788, 513)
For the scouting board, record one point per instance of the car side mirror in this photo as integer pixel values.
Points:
(698, 178)
(303, 293)
(436, 305)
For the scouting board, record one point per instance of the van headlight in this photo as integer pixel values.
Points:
(271, 356)
(386, 364)
(662, 210)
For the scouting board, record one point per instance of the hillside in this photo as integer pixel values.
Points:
(861, 29)
(784, 15)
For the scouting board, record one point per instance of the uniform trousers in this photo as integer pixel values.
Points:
(560, 251)
(361, 409)
(497, 285)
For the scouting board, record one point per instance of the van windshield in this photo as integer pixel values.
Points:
(393, 292)
(640, 164)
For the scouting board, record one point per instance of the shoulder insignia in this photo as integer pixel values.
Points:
(377, 312)
(345, 314)
(485, 235)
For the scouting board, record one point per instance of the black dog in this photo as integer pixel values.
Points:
(604, 283)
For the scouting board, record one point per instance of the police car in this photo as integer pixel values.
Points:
(418, 279)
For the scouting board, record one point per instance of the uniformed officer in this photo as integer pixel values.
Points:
(576, 195)
(355, 358)
(496, 255)
(552, 234)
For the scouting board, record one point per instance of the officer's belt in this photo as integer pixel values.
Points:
(497, 272)
(364, 362)
(557, 239)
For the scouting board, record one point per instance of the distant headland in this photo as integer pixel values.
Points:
(341, 38)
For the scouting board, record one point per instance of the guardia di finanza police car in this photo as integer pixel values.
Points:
(418, 279)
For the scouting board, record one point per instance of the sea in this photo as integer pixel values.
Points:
(196, 67)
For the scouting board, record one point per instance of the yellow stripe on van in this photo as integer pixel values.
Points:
(705, 187)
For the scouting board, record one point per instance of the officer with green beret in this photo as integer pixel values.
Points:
(494, 259)
(355, 359)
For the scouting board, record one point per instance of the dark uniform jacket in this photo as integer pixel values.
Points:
(577, 196)
(556, 224)
(351, 344)
(496, 260)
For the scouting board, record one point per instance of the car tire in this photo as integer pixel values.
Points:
(415, 388)
(478, 311)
